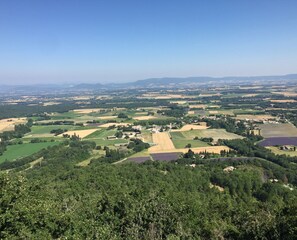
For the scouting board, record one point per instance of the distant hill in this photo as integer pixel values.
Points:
(166, 82)
(192, 81)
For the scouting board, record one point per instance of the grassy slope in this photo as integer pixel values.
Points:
(23, 150)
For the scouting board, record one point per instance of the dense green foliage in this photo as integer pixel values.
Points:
(148, 201)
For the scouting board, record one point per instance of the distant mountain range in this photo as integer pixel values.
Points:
(166, 82)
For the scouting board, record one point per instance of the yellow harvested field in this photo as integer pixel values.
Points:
(144, 118)
(86, 111)
(50, 103)
(210, 149)
(250, 95)
(141, 113)
(198, 106)
(188, 127)
(214, 106)
(179, 102)
(283, 101)
(209, 94)
(82, 97)
(191, 112)
(164, 96)
(80, 133)
(163, 142)
(251, 87)
(254, 117)
(213, 112)
(287, 94)
(9, 123)
(106, 125)
(107, 117)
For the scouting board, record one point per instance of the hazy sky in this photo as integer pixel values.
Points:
(63, 41)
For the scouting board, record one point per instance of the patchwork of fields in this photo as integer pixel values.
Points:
(96, 124)
(179, 141)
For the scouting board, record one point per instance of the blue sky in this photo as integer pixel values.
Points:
(71, 41)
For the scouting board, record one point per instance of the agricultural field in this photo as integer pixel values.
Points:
(279, 141)
(270, 130)
(9, 124)
(254, 117)
(276, 150)
(210, 133)
(162, 141)
(188, 127)
(140, 118)
(23, 150)
(79, 133)
(180, 141)
(100, 138)
(45, 131)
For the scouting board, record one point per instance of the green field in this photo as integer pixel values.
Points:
(64, 116)
(48, 129)
(100, 138)
(180, 141)
(23, 150)
(101, 134)
(206, 133)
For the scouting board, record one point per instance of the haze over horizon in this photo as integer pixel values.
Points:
(120, 41)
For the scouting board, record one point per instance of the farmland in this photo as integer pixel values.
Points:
(279, 141)
(212, 133)
(79, 133)
(18, 151)
(188, 127)
(278, 130)
(276, 150)
(162, 141)
(166, 138)
(180, 141)
(9, 124)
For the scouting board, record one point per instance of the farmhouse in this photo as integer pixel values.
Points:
(256, 132)
(287, 148)
(121, 144)
(138, 127)
(111, 137)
